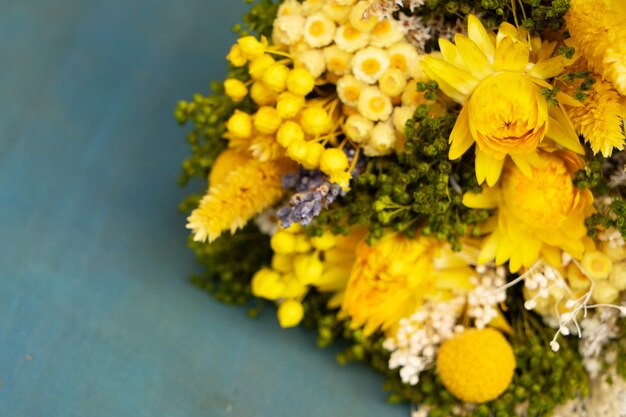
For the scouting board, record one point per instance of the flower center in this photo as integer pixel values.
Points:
(377, 104)
(398, 61)
(508, 115)
(370, 66)
(546, 200)
(350, 33)
(381, 27)
(352, 93)
(316, 28)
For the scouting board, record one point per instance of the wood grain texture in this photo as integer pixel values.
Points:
(97, 317)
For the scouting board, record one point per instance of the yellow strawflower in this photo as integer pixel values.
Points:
(476, 366)
(536, 214)
(598, 29)
(393, 277)
(599, 119)
(498, 80)
(250, 188)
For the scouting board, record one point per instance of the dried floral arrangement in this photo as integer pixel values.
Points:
(439, 182)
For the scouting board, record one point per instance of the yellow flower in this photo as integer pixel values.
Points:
(598, 29)
(239, 125)
(357, 19)
(289, 132)
(265, 148)
(476, 366)
(498, 80)
(267, 120)
(386, 32)
(350, 39)
(250, 188)
(357, 128)
(300, 82)
(319, 30)
(315, 121)
(235, 89)
(403, 56)
(337, 60)
(289, 105)
(392, 82)
(288, 29)
(261, 94)
(290, 313)
(536, 214)
(235, 56)
(275, 77)
(381, 140)
(225, 164)
(393, 277)
(369, 64)
(349, 90)
(599, 119)
(374, 105)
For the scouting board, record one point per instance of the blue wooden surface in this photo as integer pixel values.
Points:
(97, 317)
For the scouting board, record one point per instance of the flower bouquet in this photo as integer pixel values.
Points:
(439, 183)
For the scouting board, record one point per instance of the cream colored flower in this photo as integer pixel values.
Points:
(374, 105)
(289, 7)
(288, 29)
(357, 15)
(401, 115)
(385, 33)
(382, 140)
(313, 61)
(319, 30)
(369, 64)
(350, 39)
(357, 128)
(349, 90)
(311, 6)
(338, 12)
(337, 60)
(392, 82)
(345, 2)
(403, 56)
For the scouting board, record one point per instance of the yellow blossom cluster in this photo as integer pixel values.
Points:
(301, 262)
(369, 61)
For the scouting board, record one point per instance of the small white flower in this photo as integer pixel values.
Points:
(392, 82)
(386, 32)
(313, 61)
(319, 30)
(288, 29)
(337, 60)
(358, 128)
(369, 64)
(374, 105)
(350, 39)
(382, 140)
(403, 56)
(349, 90)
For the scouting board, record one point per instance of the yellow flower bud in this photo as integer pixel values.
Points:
(294, 228)
(324, 242)
(257, 67)
(289, 105)
(392, 82)
(297, 150)
(333, 160)
(282, 262)
(300, 82)
(302, 244)
(267, 120)
(313, 153)
(342, 179)
(596, 265)
(293, 287)
(235, 56)
(262, 94)
(604, 293)
(251, 48)
(283, 242)
(267, 284)
(308, 268)
(235, 89)
(275, 77)
(290, 313)
(239, 125)
(289, 132)
(618, 276)
(315, 121)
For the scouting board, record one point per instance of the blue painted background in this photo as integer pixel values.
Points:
(97, 317)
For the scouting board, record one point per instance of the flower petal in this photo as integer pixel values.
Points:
(561, 130)
(474, 59)
(489, 198)
(476, 32)
(550, 67)
(511, 56)
(450, 52)
(460, 138)
(460, 80)
(488, 168)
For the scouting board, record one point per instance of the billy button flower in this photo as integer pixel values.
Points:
(235, 89)
(499, 82)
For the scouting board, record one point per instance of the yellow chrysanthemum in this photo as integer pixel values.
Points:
(498, 80)
(598, 29)
(599, 119)
(536, 213)
(477, 365)
(393, 277)
(250, 188)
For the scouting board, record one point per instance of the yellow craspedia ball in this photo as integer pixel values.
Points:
(333, 160)
(300, 82)
(289, 105)
(315, 121)
(251, 48)
(239, 125)
(267, 120)
(477, 365)
(275, 77)
(257, 67)
(290, 313)
(289, 132)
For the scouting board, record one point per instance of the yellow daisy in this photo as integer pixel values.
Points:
(535, 215)
(498, 80)
(393, 277)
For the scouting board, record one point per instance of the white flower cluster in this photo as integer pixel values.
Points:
(598, 330)
(371, 62)
(483, 300)
(612, 237)
(414, 347)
